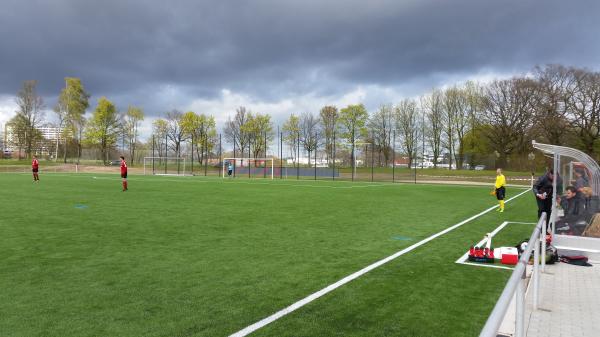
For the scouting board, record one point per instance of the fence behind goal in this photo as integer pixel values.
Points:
(166, 166)
(248, 167)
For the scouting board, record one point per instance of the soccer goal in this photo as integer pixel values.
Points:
(166, 166)
(250, 167)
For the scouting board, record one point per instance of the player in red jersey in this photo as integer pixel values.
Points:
(35, 165)
(124, 173)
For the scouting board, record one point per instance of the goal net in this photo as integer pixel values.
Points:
(248, 167)
(170, 166)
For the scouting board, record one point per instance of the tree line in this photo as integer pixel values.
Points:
(101, 130)
(460, 124)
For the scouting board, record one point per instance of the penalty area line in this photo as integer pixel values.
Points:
(251, 328)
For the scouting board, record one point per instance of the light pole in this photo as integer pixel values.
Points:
(531, 157)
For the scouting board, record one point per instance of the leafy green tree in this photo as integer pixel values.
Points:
(328, 117)
(477, 144)
(291, 133)
(17, 133)
(353, 119)
(73, 101)
(103, 127)
(159, 134)
(257, 128)
(201, 131)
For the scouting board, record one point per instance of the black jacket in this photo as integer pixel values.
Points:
(544, 185)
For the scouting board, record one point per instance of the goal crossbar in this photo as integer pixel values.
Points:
(248, 160)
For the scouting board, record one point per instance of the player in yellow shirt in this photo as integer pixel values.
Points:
(500, 189)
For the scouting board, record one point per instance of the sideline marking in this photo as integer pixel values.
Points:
(300, 183)
(251, 328)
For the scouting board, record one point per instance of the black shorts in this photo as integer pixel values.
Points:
(34, 170)
(500, 193)
(229, 172)
(124, 175)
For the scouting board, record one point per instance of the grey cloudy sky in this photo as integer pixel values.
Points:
(281, 56)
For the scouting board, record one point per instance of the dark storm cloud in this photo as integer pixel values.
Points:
(273, 49)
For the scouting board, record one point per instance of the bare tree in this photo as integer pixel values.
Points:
(475, 105)
(61, 113)
(381, 125)
(131, 124)
(433, 108)
(509, 111)
(79, 124)
(449, 116)
(554, 93)
(31, 107)
(234, 128)
(457, 113)
(407, 119)
(175, 130)
(308, 133)
(584, 108)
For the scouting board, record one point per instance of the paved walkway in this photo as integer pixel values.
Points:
(569, 302)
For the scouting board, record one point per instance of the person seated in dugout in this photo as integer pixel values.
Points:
(573, 221)
(581, 181)
(592, 202)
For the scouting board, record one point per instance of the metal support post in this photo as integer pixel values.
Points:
(520, 312)
(535, 274)
(543, 238)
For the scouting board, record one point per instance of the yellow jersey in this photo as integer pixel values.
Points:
(500, 181)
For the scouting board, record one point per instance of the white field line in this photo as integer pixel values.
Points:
(305, 185)
(364, 184)
(188, 179)
(463, 259)
(251, 328)
(198, 179)
(191, 180)
(240, 182)
(486, 265)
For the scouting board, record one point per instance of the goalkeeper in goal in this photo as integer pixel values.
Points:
(229, 168)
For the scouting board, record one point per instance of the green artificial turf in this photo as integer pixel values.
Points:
(197, 256)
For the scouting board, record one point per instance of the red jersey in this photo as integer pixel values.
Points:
(35, 164)
(123, 167)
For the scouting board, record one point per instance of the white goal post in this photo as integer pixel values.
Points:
(165, 166)
(247, 162)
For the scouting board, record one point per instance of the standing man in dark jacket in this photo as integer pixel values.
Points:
(543, 191)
